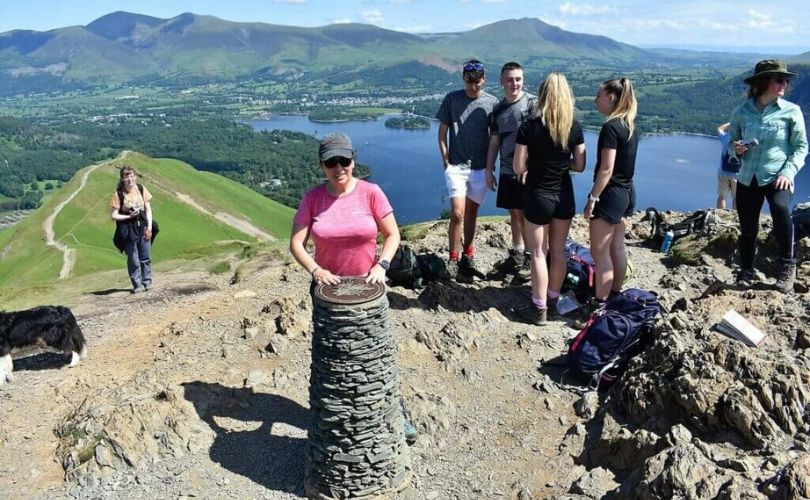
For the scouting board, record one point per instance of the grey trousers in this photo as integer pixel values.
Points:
(139, 262)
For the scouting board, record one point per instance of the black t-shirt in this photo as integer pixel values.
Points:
(547, 163)
(615, 135)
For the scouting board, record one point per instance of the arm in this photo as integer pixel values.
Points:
(444, 150)
(577, 161)
(118, 216)
(298, 241)
(607, 162)
(492, 153)
(798, 150)
(519, 162)
(388, 227)
(147, 233)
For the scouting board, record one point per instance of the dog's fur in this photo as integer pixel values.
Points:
(54, 325)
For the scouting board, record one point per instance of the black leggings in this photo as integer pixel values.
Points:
(749, 205)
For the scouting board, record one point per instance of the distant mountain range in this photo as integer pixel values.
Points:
(123, 47)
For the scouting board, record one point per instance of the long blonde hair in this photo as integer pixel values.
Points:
(555, 107)
(626, 107)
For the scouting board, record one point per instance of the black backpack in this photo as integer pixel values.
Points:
(413, 271)
(730, 164)
(404, 268)
(693, 223)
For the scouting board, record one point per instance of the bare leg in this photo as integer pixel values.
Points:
(618, 255)
(518, 227)
(456, 219)
(536, 238)
(470, 218)
(721, 201)
(601, 234)
(558, 232)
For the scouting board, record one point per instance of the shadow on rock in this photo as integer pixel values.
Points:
(246, 442)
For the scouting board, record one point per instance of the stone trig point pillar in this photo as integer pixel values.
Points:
(356, 441)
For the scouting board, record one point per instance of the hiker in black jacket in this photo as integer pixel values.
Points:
(131, 210)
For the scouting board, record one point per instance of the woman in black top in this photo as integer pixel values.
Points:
(612, 196)
(546, 148)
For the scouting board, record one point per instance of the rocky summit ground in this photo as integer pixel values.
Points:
(198, 388)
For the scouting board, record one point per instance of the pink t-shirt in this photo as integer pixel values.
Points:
(344, 228)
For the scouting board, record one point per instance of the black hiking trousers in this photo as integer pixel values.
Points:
(749, 205)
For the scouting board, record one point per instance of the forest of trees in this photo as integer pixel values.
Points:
(217, 145)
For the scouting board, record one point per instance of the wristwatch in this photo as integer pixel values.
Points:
(384, 264)
(591, 197)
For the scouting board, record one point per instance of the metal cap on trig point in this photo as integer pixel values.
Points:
(350, 290)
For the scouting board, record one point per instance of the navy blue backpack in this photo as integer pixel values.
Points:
(613, 334)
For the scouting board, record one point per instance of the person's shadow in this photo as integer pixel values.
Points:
(273, 461)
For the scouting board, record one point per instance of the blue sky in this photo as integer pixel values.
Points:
(738, 25)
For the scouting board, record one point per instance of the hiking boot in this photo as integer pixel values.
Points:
(510, 264)
(580, 318)
(534, 315)
(787, 276)
(467, 271)
(138, 289)
(451, 271)
(746, 277)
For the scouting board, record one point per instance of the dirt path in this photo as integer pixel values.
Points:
(68, 254)
(235, 222)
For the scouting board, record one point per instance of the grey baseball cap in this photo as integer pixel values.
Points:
(336, 144)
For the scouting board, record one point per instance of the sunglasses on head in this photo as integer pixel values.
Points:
(333, 161)
(473, 67)
(781, 80)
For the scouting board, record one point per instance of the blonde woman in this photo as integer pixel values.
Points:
(547, 148)
(612, 196)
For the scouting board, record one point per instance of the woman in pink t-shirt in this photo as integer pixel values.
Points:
(343, 217)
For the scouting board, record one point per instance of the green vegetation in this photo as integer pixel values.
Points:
(346, 113)
(408, 122)
(279, 164)
(187, 231)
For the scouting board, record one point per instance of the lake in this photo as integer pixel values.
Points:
(675, 172)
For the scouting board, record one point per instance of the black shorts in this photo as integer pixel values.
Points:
(539, 207)
(510, 192)
(614, 203)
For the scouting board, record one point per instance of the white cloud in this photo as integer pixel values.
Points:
(584, 9)
(762, 16)
(344, 20)
(374, 16)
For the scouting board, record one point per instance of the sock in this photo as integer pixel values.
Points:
(552, 295)
(453, 256)
(469, 250)
(519, 248)
(539, 303)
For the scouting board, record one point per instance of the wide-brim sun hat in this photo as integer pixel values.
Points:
(335, 144)
(767, 68)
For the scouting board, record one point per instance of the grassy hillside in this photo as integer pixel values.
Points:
(186, 232)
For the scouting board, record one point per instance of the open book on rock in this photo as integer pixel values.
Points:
(737, 327)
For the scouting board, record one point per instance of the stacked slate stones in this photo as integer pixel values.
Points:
(356, 441)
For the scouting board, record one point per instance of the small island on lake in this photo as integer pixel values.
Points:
(408, 122)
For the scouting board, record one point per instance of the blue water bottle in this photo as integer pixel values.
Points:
(667, 243)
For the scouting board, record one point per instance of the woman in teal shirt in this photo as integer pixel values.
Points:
(768, 134)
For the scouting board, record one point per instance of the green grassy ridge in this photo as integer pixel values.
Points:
(84, 224)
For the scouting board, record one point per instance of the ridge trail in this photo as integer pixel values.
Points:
(47, 226)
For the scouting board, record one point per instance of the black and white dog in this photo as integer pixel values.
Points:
(54, 325)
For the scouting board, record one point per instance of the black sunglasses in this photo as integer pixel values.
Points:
(333, 161)
(781, 79)
(473, 67)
